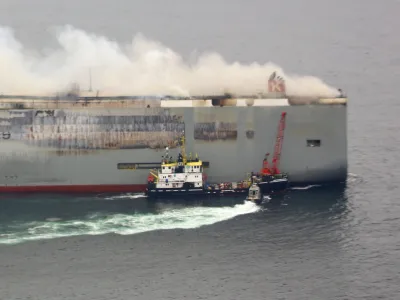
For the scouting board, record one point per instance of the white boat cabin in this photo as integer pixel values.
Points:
(254, 193)
(183, 172)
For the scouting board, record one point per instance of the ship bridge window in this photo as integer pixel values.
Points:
(313, 143)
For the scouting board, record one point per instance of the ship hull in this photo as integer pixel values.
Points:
(82, 149)
(78, 189)
(173, 193)
(274, 187)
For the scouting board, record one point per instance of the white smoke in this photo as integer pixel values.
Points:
(144, 67)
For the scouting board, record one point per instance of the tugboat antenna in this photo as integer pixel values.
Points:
(183, 148)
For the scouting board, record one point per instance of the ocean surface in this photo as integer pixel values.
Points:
(337, 242)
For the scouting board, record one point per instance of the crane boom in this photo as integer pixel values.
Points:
(274, 169)
(278, 144)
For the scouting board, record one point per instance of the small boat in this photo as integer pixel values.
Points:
(186, 177)
(254, 195)
(270, 183)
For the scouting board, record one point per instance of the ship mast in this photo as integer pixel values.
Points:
(183, 148)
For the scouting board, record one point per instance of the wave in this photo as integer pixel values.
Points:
(126, 224)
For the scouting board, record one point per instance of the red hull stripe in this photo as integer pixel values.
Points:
(106, 188)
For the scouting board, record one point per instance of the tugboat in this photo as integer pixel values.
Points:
(254, 194)
(185, 177)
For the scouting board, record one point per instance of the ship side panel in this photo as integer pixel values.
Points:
(83, 146)
(315, 144)
(231, 159)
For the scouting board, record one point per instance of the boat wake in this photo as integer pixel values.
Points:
(125, 224)
(125, 196)
(305, 187)
(354, 178)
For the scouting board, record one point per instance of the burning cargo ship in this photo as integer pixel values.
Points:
(76, 143)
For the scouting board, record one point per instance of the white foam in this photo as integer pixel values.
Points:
(126, 196)
(305, 187)
(97, 224)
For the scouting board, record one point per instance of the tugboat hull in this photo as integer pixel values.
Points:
(255, 195)
(179, 193)
(274, 187)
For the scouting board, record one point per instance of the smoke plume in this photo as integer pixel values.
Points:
(144, 67)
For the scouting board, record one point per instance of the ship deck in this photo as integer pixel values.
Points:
(125, 101)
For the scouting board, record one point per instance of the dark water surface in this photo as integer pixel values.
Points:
(291, 248)
(321, 243)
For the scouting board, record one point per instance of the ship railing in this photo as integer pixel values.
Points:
(63, 104)
(39, 102)
(68, 100)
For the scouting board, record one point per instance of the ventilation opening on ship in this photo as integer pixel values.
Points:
(222, 100)
(313, 143)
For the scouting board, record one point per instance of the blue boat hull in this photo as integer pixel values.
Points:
(269, 186)
(274, 187)
(177, 193)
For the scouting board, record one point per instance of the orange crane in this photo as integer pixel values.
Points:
(266, 169)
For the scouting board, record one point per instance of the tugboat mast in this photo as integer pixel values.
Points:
(183, 150)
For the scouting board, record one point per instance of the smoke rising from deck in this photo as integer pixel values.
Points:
(141, 68)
